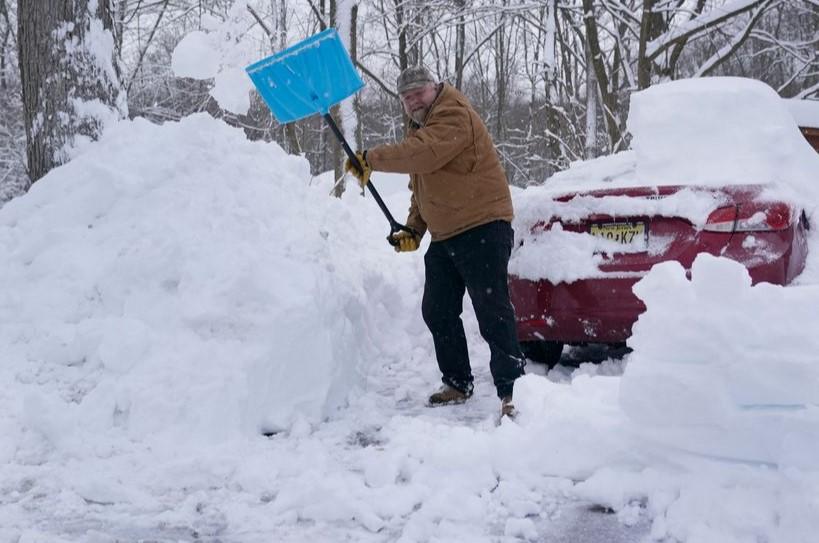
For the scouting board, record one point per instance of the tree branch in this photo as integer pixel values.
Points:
(145, 49)
(263, 25)
(318, 14)
(705, 22)
(375, 78)
(736, 42)
(814, 89)
(481, 44)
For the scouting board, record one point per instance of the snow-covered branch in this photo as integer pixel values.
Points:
(729, 48)
(810, 91)
(706, 21)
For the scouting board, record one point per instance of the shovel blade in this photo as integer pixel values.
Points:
(307, 78)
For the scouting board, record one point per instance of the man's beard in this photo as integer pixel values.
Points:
(419, 115)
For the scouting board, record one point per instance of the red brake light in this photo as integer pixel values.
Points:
(778, 216)
(721, 220)
(750, 217)
(762, 217)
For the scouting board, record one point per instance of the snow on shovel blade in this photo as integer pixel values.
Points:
(307, 78)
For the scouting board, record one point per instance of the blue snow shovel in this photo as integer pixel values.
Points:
(311, 77)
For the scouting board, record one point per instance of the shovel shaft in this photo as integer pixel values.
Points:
(395, 226)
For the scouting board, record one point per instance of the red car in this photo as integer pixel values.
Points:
(767, 236)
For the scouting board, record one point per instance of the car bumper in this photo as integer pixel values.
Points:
(604, 309)
(592, 310)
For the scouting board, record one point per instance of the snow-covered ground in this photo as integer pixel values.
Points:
(199, 344)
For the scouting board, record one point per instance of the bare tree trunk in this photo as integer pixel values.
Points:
(400, 21)
(357, 109)
(566, 61)
(3, 45)
(59, 73)
(416, 52)
(119, 29)
(460, 45)
(500, 77)
(551, 89)
(595, 55)
(347, 110)
(335, 111)
(291, 139)
(591, 107)
(651, 26)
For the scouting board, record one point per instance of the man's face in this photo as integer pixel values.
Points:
(416, 101)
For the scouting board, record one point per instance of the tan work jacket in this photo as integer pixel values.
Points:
(456, 179)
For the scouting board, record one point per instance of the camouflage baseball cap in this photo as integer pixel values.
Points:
(413, 77)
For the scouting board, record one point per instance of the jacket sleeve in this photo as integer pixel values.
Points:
(447, 134)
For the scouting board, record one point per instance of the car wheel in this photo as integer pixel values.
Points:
(542, 352)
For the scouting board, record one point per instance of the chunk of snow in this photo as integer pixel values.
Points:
(195, 57)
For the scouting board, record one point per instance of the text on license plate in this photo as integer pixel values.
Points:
(621, 232)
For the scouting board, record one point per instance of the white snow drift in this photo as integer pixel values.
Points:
(181, 280)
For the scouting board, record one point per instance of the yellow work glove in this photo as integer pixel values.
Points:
(362, 176)
(406, 242)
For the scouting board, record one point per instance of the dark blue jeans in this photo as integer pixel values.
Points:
(475, 261)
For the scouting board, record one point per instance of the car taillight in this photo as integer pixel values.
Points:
(762, 217)
(721, 220)
(751, 217)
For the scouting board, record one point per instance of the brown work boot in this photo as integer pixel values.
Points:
(508, 408)
(447, 395)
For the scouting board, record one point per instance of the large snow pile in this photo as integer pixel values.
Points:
(179, 280)
(713, 427)
(725, 369)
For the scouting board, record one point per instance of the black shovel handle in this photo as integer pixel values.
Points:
(395, 226)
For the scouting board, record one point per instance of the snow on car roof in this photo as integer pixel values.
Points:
(804, 112)
(717, 131)
(706, 132)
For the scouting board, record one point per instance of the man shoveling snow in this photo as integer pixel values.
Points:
(461, 195)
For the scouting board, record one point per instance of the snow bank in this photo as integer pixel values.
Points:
(711, 432)
(179, 280)
(723, 368)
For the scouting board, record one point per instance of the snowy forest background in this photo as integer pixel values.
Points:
(552, 84)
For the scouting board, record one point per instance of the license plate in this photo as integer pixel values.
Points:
(621, 232)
